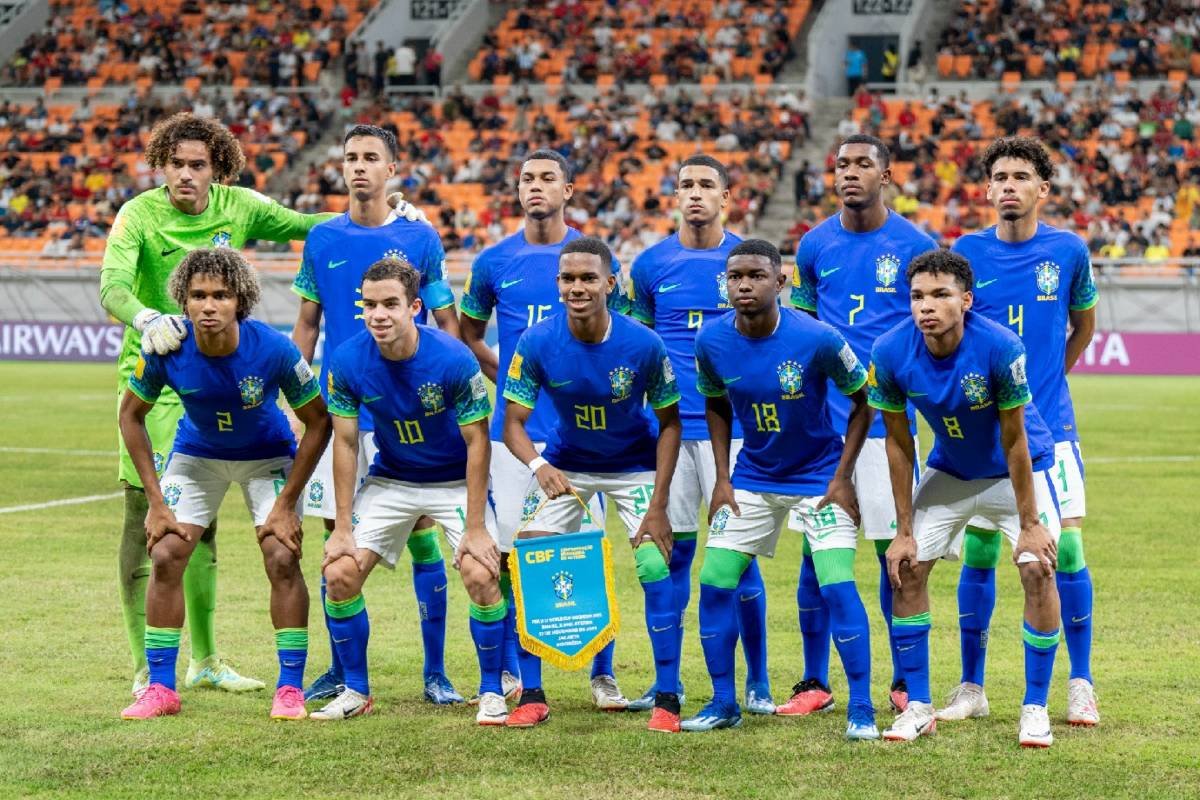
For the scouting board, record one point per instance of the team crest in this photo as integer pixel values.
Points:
(354, 520)
(251, 388)
(159, 463)
(719, 521)
(564, 585)
(432, 399)
(723, 287)
(222, 239)
(975, 387)
(886, 268)
(396, 254)
(316, 492)
(621, 381)
(1047, 279)
(791, 379)
(529, 506)
(171, 493)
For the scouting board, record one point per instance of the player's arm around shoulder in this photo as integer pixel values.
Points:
(268, 219)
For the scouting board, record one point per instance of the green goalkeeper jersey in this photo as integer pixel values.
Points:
(150, 237)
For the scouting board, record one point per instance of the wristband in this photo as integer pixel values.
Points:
(537, 464)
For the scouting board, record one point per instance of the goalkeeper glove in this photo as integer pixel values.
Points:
(403, 208)
(161, 333)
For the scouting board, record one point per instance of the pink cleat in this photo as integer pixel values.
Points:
(155, 701)
(289, 704)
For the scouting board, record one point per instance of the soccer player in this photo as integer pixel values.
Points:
(150, 236)
(991, 458)
(1037, 280)
(337, 254)
(768, 368)
(429, 403)
(515, 278)
(228, 372)
(678, 285)
(598, 370)
(850, 274)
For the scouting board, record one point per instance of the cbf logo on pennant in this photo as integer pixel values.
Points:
(565, 594)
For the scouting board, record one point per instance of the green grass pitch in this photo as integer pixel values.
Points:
(63, 654)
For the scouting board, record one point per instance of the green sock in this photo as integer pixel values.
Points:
(200, 595)
(133, 568)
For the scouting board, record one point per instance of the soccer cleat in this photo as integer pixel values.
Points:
(155, 700)
(492, 709)
(217, 673)
(607, 695)
(646, 701)
(966, 701)
(346, 705)
(712, 717)
(1035, 727)
(664, 721)
(439, 690)
(898, 697)
(511, 685)
(808, 697)
(288, 704)
(917, 720)
(141, 679)
(861, 731)
(327, 686)
(1081, 703)
(528, 715)
(758, 699)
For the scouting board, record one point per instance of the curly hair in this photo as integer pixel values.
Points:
(224, 151)
(396, 269)
(1022, 148)
(943, 262)
(224, 264)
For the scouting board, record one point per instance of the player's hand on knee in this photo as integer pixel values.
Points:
(1036, 541)
(340, 544)
(553, 482)
(841, 491)
(722, 496)
(284, 525)
(160, 521)
(656, 527)
(902, 551)
(161, 333)
(405, 209)
(477, 544)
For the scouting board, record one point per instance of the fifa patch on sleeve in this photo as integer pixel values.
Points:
(871, 381)
(849, 360)
(1017, 368)
(478, 387)
(303, 371)
(514, 368)
(139, 368)
(667, 370)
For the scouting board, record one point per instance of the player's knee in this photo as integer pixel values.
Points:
(481, 587)
(723, 568)
(981, 549)
(1034, 579)
(651, 566)
(342, 579)
(281, 565)
(167, 563)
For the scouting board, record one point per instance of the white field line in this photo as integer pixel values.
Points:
(57, 451)
(70, 501)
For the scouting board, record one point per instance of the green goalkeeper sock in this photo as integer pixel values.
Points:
(133, 567)
(200, 595)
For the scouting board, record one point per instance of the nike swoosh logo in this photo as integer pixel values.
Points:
(341, 641)
(905, 649)
(506, 284)
(754, 596)
(166, 253)
(1080, 619)
(732, 380)
(660, 630)
(968, 614)
(825, 273)
(981, 284)
(493, 647)
(556, 384)
(918, 394)
(336, 264)
(441, 588)
(818, 608)
(709, 636)
(851, 639)
(188, 391)
(668, 287)
(372, 399)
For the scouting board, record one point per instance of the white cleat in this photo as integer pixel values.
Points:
(1035, 727)
(346, 705)
(1081, 703)
(607, 695)
(917, 720)
(217, 673)
(492, 709)
(966, 701)
(511, 685)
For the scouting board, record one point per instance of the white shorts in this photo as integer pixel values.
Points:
(194, 487)
(385, 512)
(756, 531)
(1067, 477)
(693, 481)
(630, 492)
(510, 483)
(873, 485)
(944, 505)
(318, 494)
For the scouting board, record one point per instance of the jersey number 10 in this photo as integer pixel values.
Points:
(409, 431)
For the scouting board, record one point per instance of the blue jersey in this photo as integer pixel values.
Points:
(417, 405)
(229, 404)
(777, 386)
(676, 290)
(961, 395)
(519, 281)
(597, 391)
(337, 254)
(1033, 286)
(856, 283)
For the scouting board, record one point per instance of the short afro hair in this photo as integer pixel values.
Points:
(881, 149)
(546, 154)
(224, 152)
(701, 160)
(1024, 148)
(757, 247)
(943, 262)
(222, 263)
(592, 246)
(396, 269)
(382, 134)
